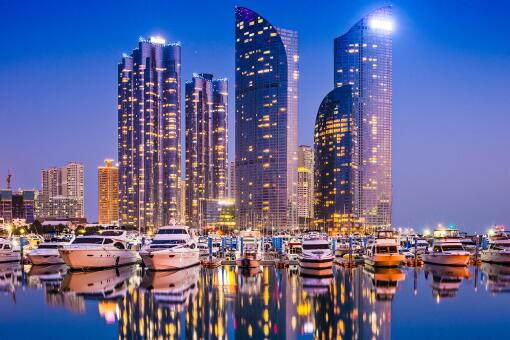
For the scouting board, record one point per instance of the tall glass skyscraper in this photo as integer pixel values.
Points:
(149, 90)
(267, 73)
(363, 60)
(336, 163)
(206, 143)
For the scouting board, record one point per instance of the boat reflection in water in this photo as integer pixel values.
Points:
(9, 272)
(172, 288)
(384, 281)
(446, 280)
(52, 274)
(496, 277)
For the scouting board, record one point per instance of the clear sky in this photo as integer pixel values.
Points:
(451, 120)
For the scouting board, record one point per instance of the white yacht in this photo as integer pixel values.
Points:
(174, 288)
(250, 256)
(447, 249)
(108, 248)
(498, 250)
(317, 255)
(8, 253)
(384, 250)
(342, 246)
(47, 252)
(172, 248)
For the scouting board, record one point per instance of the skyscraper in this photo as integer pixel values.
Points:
(266, 61)
(232, 180)
(108, 192)
(336, 163)
(149, 90)
(206, 143)
(305, 185)
(62, 192)
(363, 60)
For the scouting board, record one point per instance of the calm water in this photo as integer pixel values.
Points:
(126, 303)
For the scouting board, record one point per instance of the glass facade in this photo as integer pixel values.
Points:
(266, 61)
(149, 147)
(206, 143)
(336, 163)
(363, 60)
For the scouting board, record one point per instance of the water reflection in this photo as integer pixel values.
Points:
(446, 280)
(259, 303)
(496, 277)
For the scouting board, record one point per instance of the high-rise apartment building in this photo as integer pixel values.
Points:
(353, 131)
(62, 191)
(206, 143)
(108, 192)
(149, 147)
(305, 186)
(232, 180)
(266, 62)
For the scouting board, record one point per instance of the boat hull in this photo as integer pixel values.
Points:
(86, 259)
(385, 260)
(169, 260)
(38, 258)
(447, 259)
(502, 257)
(9, 256)
(316, 263)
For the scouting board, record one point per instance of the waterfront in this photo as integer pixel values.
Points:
(126, 303)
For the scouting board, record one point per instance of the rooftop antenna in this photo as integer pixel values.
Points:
(9, 179)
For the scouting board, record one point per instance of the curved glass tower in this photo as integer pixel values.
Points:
(267, 74)
(336, 168)
(363, 60)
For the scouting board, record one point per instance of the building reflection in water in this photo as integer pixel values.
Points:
(226, 303)
(264, 303)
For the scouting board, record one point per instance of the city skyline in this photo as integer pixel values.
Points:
(410, 139)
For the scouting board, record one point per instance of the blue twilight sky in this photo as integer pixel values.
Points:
(451, 88)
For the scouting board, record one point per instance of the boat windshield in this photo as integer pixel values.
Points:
(386, 249)
(88, 240)
(48, 246)
(314, 246)
(7, 246)
(172, 232)
(450, 247)
(167, 242)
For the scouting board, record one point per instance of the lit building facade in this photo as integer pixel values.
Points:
(336, 163)
(206, 143)
(62, 185)
(232, 180)
(266, 61)
(363, 60)
(149, 147)
(108, 192)
(305, 186)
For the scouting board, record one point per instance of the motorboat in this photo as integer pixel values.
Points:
(8, 253)
(498, 249)
(173, 288)
(294, 250)
(108, 248)
(47, 252)
(172, 248)
(249, 256)
(447, 249)
(342, 246)
(317, 255)
(384, 250)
